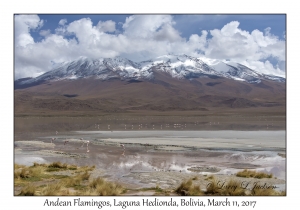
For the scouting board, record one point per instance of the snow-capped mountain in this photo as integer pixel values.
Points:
(178, 66)
(238, 71)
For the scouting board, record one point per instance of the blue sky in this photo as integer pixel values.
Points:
(257, 41)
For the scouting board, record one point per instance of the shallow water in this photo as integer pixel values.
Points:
(147, 151)
(232, 140)
(27, 128)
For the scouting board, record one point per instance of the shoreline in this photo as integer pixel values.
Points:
(147, 162)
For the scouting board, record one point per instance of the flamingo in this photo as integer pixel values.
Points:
(87, 146)
(66, 141)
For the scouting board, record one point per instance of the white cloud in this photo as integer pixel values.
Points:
(62, 22)
(237, 45)
(231, 42)
(45, 32)
(23, 25)
(107, 26)
(167, 33)
(145, 26)
(265, 67)
(144, 37)
(61, 30)
(199, 42)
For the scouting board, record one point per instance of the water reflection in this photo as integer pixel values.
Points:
(117, 161)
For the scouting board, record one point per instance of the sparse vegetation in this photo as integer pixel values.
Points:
(209, 177)
(158, 190)
(52, 184)
(28, 190)
(188, 189)
(58, 165)
(38, 180)
(253, 174)
(99, 186)
(52, 189)
(264, 192)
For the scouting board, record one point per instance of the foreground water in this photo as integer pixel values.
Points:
(184, 152)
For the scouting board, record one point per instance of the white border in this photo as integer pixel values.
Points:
(8, 8)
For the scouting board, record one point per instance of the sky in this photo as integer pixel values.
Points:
(254, 40)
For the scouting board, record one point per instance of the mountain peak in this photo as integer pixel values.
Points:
(177, 66)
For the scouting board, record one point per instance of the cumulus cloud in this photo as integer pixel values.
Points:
(62, 22)
(107, 26)
(143, 37)
(231, 42)
(23, 25)
(247, 48)
(45, 32)
(266, 67)
(148, 26)
(167, 33)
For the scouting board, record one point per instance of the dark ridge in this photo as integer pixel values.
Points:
(17, 84)
(212, 83)
(213, 77)
(114, 78)
(193, 75)
(70, 95)
(134, 81)
(23, 79)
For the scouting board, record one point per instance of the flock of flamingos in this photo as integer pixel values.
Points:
(85, 142)
(122, 145)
